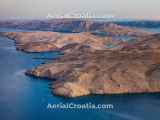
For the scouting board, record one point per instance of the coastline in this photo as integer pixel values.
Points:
(83, 70)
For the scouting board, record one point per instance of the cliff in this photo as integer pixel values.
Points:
(95, 64)
(40, 41)
(48, 41)
(133, 69)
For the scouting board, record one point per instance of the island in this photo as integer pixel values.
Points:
(111, 59)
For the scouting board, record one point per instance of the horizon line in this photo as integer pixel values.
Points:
(56, 18)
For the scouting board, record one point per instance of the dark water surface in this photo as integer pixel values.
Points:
(26, 98)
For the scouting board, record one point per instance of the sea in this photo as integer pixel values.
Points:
(27, 98)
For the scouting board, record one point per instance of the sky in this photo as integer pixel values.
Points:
(39, 9)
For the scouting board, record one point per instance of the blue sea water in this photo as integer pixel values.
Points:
(26, 98)
(153, 30)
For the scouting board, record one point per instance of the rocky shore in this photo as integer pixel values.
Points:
(41, 41)
(133, 69)
(94, 64)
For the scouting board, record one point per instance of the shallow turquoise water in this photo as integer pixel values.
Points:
(26, 98)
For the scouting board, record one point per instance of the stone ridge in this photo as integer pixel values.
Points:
(132, 69)
(94, 64)
(49, 41)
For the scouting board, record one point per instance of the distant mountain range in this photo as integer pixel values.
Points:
(75, 25)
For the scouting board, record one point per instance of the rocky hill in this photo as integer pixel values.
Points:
(65, 25)
(49, 41)
(95, 64)
(39, 41)
(133, 69)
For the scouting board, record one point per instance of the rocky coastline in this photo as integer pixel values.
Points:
(94, 64)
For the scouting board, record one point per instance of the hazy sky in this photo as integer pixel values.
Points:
(143, 9)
